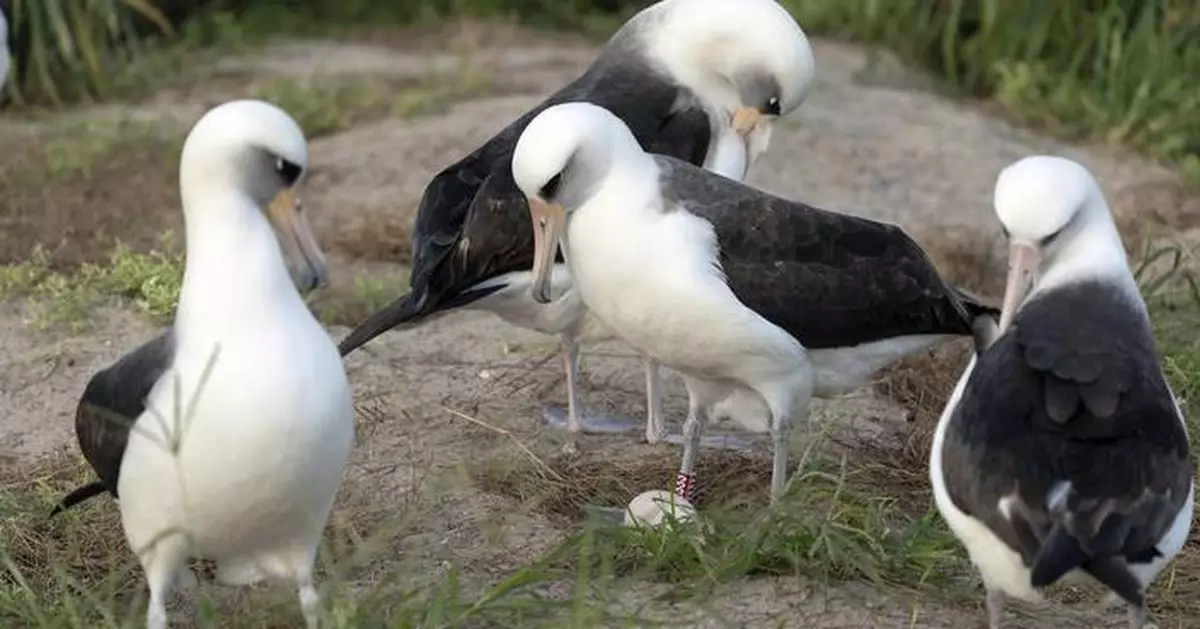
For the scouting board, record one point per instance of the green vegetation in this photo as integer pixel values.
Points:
(1120, 71)
(149, 282)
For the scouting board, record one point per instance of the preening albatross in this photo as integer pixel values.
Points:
(1062, 449)
(227, 436)
(738, 290)
(701, 80)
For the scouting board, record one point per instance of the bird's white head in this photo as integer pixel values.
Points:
(255, 150)
(1058, 226)
(563, 154)
(748, 60)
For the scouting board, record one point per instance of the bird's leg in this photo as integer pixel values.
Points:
(656, 429)
(570, 353)
(310, 601)
(1138, 618)
(162, 563)
(576, 420)
(685, 482)
(780, 423)
(995, 607)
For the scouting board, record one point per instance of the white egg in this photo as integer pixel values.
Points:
(650, 508)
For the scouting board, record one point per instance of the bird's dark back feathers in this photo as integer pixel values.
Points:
(829, 279)
(473, 221)
(1073, 393)
(111, 403)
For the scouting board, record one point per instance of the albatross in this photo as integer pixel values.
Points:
(700, 80)
(1062, 449)
(227, 436)
(738, 290)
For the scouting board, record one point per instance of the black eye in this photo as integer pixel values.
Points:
(288, 171)
(549, 190)
(772, 106)
(1049, 240)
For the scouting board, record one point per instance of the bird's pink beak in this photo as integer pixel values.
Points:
(549, 219)
(1023, 260)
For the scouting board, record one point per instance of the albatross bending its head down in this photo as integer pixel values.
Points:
(247, 474)
(1062, 450)
(700, 80)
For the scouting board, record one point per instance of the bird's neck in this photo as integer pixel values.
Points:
(234, 269)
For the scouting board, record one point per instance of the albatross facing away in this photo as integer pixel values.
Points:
(1062, 449)
(701, 80)
(738, 290)
(246, 388)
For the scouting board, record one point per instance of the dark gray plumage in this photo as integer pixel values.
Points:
(831, 280)
(111, 403)
(473, 223)
(1073, 391)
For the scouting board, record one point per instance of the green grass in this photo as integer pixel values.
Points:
(1119, 71)
(336, 104)
(149, 282)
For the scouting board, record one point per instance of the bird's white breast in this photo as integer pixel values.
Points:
(653, 280)
(262, 453)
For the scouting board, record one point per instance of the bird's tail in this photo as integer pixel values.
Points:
(408, 309)
(79, 495)
(1096, 547)
(1062, 552)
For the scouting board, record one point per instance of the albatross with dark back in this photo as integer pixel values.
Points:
(701, 80)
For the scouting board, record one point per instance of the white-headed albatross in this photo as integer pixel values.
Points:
(1062, 449)
(700, 80)
(246, 387)
(738, 290)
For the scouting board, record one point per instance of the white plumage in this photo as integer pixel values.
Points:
(269, 431)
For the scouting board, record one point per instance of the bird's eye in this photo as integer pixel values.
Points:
(1049, 240)
(549, 190)
(772, 106)
(288, 171)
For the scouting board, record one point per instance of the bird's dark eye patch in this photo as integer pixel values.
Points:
(771, 108)
(1049, 240)
(549, 190)
(288, 171)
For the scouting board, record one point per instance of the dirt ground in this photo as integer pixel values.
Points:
(872, 139)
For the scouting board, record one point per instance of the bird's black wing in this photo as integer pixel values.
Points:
(111, 403)
(1072, 393)
(831, 280)
(473, 222)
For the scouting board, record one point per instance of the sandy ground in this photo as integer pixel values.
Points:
(873, 139)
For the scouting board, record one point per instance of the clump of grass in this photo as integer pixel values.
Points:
(68, 51)
(150, 282)
(833, 524)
